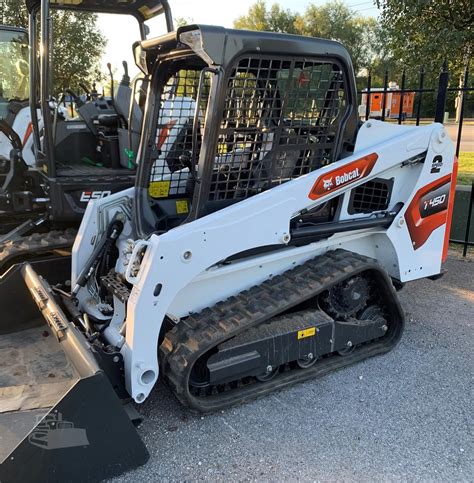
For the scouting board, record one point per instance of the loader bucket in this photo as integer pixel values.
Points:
(60, 417)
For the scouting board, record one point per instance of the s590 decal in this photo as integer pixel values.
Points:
(87, 196)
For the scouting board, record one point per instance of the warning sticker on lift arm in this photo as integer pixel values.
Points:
(309, 332)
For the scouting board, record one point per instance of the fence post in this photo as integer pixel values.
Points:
(384, 99)
(402, 92)
(442, 92)
(418, 107)
(468, 222)
(367, 106)
(461, 115)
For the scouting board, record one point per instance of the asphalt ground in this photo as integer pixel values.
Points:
(467, 136)
(404, 416)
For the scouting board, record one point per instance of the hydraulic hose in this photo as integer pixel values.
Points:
(113, 232)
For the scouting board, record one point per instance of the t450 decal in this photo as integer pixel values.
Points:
(428, 210)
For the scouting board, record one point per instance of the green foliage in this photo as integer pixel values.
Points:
(466, 168)
(274, 19)
(333, 20)
(182, 21)
(78, 44)
(429, 31)
(14, 71)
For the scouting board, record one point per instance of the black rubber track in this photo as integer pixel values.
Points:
(34, 246)
(191, 338)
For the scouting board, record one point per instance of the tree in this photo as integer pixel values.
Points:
(78, 44)
(182, 21)
(429, 31)
(275, 19)
(333, 20)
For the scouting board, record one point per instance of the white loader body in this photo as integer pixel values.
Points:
(180, 271)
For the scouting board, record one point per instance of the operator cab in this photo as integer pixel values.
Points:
(267, 118)
(90, 132)
(85, 143)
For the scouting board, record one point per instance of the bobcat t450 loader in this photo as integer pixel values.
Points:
(259, 248)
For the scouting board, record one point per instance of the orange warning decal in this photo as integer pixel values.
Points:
(428, 210)
(343, 176)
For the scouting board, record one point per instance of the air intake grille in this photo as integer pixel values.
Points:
(371, 196)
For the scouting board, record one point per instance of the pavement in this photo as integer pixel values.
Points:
(403, 416)
(467, 136)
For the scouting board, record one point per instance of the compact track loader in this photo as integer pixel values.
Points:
(260, 247)
(53, 164)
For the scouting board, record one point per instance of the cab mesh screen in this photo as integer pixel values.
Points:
(176, 149)
(280, 120)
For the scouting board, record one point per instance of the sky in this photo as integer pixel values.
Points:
(122, 31)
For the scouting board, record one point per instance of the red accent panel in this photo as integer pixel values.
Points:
(421, 228)
(452, 193)
(28, 132)
(343, 176)
(164, 133)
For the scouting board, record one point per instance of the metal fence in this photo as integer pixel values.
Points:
(440, 89)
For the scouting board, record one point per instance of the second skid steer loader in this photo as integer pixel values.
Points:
(259, 247)
(56, 163)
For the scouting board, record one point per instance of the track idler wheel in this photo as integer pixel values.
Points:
(373, 313)
(307, 362)
(268, 375)
(350, 348)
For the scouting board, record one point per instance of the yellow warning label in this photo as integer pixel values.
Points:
(159, 189)
(309, 332)
(181, 207)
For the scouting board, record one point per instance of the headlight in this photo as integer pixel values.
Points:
(140, 58)
(193, 39)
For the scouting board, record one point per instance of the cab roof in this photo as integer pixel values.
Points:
(221, 45)
(141, 9)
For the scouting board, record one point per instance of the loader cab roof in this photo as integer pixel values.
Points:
(220, 45)
(141, 9)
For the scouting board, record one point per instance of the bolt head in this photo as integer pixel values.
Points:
(269, 369)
